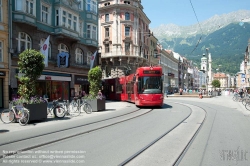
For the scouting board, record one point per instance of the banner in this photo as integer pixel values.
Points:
(45, 50)
(92, 60)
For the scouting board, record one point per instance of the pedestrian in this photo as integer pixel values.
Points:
(99, 94)
(181, 90)
(241, 93)
(83, 93)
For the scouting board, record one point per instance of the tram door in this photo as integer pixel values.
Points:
(129, 90)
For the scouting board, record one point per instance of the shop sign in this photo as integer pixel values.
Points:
(2, 73)
(47, 77)
(81, 79)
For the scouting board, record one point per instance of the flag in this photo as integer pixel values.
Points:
(45, 50)
(92, 60)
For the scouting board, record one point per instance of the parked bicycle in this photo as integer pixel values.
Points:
(71, 108)
(237, 97)
(15, 113)
(85, 106)
(55, 109)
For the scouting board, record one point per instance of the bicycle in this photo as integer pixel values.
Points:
(56, 108)
(85, 106)
(71, 108)
(236, 97)
(19, 113)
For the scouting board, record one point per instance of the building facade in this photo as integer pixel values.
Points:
(223, 78)
(124, 40)
(4, 54)
(170, 69)
(73, 30)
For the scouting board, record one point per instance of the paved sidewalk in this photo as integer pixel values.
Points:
(111, 106)
(223, 100)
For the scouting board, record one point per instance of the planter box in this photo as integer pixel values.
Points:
(37, 111)
(97, 104)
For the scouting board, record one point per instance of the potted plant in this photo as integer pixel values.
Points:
(31, 65)
(97, 101)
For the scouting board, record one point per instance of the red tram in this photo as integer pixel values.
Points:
(144, 88)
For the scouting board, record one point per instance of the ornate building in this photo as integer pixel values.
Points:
(72, 26)
(124, 40)
(4, 54)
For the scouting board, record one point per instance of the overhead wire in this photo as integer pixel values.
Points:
(199, 26)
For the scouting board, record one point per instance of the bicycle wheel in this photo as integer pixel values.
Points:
(24, 117)
(7, 116)
(244, 101)
(59, 111)
(247, 106)
(87, 108)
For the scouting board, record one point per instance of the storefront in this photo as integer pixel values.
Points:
(1, 92)
(4, 91)
(81, 84)
(54, 86)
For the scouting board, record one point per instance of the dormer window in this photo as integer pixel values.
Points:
(106, 4)
(127, 2)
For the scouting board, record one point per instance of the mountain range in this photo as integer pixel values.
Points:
(225, 35)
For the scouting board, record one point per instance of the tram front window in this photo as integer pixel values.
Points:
(149, 85)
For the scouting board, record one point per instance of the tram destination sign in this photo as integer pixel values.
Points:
(151, 72)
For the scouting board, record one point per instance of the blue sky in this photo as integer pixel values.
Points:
(180, 12)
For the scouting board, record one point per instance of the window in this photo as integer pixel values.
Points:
(24, 42)
(107, 4)
(91, 6)
(89, 55)
(69, 20)
(27, 6)
(127, 16)
(1, 51)
(30, 7)
(127, 2)
(80, 3)
(45, 14)
(1, 11)
(57, 17)
(19, 5)
(127, 48)
(106, 32)
(64, 18)
(106, 48)
(91, 32)
(127, 31)
(106, 17)
(79, 56)
(49, 51)
(62, 48)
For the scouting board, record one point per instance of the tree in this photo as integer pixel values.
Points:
(216, 83)
(203, 86)
(30, 65)
(95, 80)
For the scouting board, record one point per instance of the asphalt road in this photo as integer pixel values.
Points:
(219, 128)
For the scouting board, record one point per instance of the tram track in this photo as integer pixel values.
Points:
(152, 143)
(139, 112)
